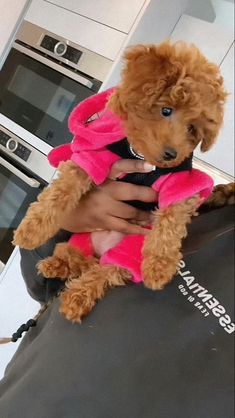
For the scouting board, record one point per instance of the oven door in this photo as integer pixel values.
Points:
(17, 191)
(39, 94)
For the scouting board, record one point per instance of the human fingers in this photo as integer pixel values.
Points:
(125, 227)
(127, 191)
(125, 166)
(125, 211)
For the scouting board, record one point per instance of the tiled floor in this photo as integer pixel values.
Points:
(16, 307)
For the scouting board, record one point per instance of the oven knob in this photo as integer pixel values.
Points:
(11, 145)
(60, 49)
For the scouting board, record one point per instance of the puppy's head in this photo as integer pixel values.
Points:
(170, 99)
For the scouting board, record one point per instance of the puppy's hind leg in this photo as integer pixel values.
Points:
(43, 218)
(66, 262)
(222, 195)
(81, 294)
(162, 248)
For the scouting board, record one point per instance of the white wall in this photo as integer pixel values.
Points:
(12, 13)
(155, 25)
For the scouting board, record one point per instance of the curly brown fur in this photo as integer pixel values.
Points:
(223, 194)
(163, 244)
(43, 217)
(66, 262)
(81, 294)
(176, 76)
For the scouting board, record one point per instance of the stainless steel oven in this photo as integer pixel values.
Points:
(24, 172)
(43, 78)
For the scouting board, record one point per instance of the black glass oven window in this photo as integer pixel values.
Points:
(15, 198)
(11, 198)
(55, 100)
(39, 98)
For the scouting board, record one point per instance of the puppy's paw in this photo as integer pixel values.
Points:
(24, 237)
(28, 235)
(223, 194)
(156, 283)
(53, 267)
(76, 304)
(158, 273)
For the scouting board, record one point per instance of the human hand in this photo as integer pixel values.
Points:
(104, 208)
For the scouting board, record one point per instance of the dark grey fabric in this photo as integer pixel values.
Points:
(38, 287)
(139, 354)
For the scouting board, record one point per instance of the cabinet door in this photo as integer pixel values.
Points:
(12, 13)
(213, 39)
(119, 14)
(85, 32)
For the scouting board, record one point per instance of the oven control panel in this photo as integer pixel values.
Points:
(24, 155)
(14, 146)
(61, 49)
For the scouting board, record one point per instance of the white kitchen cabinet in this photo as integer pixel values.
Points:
(154, 26)
(213, 39)
(118, 14)
(99, 38)
(12, 13)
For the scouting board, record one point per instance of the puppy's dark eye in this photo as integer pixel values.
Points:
(191, 129)
(166, 111)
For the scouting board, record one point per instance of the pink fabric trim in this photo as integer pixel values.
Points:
(115, 256)
(177, 187)
(127, 254)
(87, 149)
(96, 164)
(100, 132)
(83, 243)
(59, 154)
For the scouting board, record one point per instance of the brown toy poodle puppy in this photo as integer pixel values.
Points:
(170, 99)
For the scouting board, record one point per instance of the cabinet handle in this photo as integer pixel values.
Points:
(28, 180)
(54, 65)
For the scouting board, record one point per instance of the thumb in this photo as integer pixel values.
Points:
(126, 166)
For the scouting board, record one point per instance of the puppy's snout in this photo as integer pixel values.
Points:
(169, 154)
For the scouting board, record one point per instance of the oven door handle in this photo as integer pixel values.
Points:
(54, 65)
(28, 180)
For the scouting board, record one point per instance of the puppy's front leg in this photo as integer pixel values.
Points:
(162, 248)
(43, 219)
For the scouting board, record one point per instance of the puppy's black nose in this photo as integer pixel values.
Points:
(169, 154)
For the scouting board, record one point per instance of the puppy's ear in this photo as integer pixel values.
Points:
(207, 142)
(115, 105)
(209, 134)
(210, 129)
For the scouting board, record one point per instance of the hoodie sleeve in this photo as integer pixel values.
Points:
(176, 187)
(96, 163)
(59, 154)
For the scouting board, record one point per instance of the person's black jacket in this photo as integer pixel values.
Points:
(139, 354)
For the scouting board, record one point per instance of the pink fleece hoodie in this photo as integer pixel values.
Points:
(89, 150)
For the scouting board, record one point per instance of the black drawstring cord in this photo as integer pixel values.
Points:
(25, 327)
